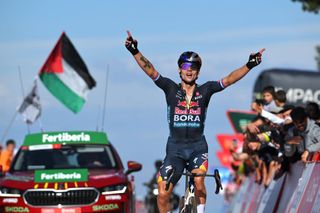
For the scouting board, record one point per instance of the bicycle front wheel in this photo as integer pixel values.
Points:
(181, 205)
(192, 206)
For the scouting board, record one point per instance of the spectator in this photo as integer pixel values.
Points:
(267, 141)
(280, 99)
(268, 94)
(268, 162)
(313, 111)
(7, 155)
(272, 101)
(252, 127)
(267, 98)
(282, 117)
(308, 130)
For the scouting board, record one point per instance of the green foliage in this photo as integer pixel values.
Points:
(310, 5)
(314, 7)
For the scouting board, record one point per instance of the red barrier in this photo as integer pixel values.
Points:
(296, 191)
(271, 194)
(290, 185)
(248, 195)
(238, 199)
(311, 198)
(256, 198)
(252, 197)
(300, 189)
(315, 157)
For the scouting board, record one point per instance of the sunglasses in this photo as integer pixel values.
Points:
(187, 65)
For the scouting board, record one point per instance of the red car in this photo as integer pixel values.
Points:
(67, 172)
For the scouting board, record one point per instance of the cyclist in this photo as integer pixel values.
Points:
(186, 104)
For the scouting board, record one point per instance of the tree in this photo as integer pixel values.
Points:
(310, 5)
(314, 7)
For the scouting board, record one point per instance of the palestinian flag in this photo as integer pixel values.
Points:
(66, 76)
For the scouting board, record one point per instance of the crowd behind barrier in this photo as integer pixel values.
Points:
(295, 191)
(277, 168)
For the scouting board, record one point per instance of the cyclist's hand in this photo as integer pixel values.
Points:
(255, 59)
(131, 44)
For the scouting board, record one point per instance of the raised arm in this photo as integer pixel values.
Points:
(236, 75)
(132, 45)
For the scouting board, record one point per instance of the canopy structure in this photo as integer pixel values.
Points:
(301, 86)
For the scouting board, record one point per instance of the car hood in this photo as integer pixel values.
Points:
(96, 178)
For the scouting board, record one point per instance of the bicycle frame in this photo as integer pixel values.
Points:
(189, 200)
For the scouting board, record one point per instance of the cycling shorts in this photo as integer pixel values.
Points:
(180, 155)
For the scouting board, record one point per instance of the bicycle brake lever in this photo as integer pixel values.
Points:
(218, 181)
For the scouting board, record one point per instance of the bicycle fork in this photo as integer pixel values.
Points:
(189, 193)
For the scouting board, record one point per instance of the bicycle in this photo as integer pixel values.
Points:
(188, 202)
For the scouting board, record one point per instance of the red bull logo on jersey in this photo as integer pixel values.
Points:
(178, 111)
(185, 104)
(195, 111)
(188, 109)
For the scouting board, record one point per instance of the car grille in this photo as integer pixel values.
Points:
(47, 197)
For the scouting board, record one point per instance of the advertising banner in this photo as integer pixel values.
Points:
(301, 86)
(240, 119)
(225, 158)
(226, 140)
(60, 175)
(75, 137)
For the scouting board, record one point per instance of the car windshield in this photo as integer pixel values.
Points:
(66, 156)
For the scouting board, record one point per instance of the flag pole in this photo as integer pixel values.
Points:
(22, 91)
(105, 98)
(9, 126)
(99, 111)
(40, 119)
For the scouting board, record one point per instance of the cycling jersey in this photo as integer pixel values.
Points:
(186, 120)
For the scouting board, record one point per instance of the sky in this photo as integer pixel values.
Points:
(224, 33)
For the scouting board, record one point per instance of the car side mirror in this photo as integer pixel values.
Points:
(133, 167)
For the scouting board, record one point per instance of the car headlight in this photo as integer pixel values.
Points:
(9, 192)
(116, 189)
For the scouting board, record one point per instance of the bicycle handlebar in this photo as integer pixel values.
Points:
(216, 176)
(218, 181)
